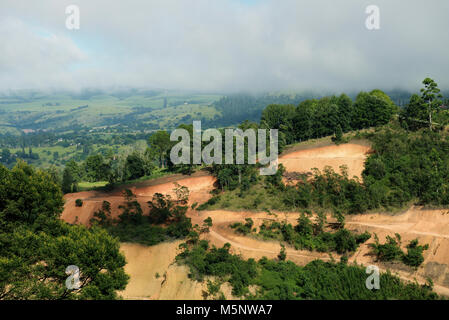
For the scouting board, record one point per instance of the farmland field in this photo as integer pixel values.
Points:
(29, 111)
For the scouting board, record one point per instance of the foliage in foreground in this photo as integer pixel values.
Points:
(36, 247)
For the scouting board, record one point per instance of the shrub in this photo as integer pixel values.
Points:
(414, 256)
(78, 202)
(391, 251)
(243, 228)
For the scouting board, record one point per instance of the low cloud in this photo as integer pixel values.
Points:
(223, 45)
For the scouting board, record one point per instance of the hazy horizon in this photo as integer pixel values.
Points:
(222, 46)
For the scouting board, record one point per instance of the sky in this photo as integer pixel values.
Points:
(223, 45)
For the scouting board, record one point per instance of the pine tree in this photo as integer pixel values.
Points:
(67, 181)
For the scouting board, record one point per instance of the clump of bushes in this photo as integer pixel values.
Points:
(391, 251)
(78, 202)
(243, 229)
(209, 202)
(166, 219)
(306, 234)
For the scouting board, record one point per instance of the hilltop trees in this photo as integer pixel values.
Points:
(372, 109)
(344, 112)
(280, 117)
(430, 94)
(413, 116)
(327, 116)
(421, 110)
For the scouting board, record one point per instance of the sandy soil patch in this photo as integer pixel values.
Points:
(352, 155)
(154, 275)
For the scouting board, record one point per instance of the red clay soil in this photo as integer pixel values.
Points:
(199, 187)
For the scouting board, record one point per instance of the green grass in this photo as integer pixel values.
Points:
(256, 199)
(86, 186)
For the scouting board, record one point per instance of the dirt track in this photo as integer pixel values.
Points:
(429, 226)
(410, 225)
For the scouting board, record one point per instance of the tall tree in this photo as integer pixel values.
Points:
(430, 94)
(160, 142)
(414, 116)
(96, 168)
(345, 112)
(67, 181)
(135, 166)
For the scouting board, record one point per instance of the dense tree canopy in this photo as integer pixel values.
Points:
(27, 194)
(36, 247)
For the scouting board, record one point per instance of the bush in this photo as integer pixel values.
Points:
(78, 202)
(391, 251)
(209, 203)
(243, 229)
(414, 256)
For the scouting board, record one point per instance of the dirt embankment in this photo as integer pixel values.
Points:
(154, 274)
(428, 226)
(199, 186)
(351, 155)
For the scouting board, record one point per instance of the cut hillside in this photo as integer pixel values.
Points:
(352, 155)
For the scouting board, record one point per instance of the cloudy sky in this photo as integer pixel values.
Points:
(223, 45)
